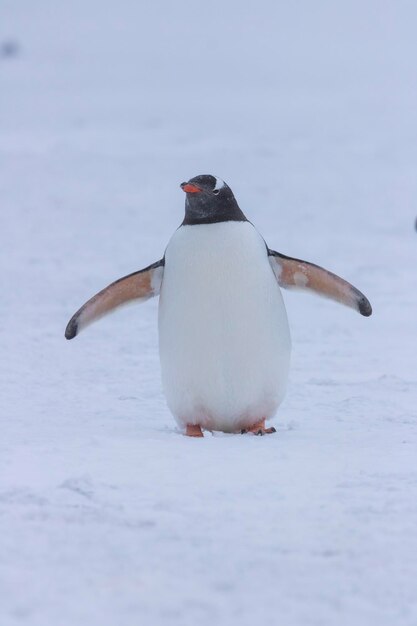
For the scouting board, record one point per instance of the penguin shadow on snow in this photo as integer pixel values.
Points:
(224, 340)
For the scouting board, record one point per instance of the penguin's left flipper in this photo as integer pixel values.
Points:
(139, 286)
(296, 274)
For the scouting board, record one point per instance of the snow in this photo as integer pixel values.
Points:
(108, 515)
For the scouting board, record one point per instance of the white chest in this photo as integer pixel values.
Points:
(224, 339)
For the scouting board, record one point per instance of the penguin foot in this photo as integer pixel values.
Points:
(193, 430)
(259, 428)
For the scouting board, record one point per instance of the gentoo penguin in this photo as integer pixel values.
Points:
(224, 340)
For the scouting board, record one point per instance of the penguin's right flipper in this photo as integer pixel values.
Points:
(139, 286)
(296, 274)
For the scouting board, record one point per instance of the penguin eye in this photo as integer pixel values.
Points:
(216, 191)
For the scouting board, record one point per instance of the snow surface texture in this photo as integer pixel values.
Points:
(108, 515)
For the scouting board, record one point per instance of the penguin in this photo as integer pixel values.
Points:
(224, 339)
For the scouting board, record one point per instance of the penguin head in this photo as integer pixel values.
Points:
(208, 200)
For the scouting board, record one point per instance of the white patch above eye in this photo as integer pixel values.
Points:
(219, 184)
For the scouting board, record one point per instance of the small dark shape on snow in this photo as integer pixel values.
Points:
(9, 49)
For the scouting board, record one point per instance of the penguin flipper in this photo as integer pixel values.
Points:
(296, 274)
(139, 286)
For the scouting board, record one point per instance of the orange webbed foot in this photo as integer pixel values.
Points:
(259, 428)
(193, 430)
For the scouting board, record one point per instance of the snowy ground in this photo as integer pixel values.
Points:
(108, 515)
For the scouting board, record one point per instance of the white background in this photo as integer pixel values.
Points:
(108, 515)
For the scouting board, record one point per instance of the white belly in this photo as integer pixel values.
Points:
(224, 341)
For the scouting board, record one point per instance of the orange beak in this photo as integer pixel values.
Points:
(189, 188)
